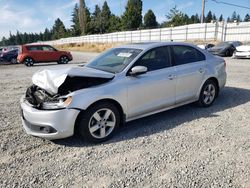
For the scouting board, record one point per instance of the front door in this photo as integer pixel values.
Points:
(154, 90)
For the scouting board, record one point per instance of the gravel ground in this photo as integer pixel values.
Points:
(184, 147)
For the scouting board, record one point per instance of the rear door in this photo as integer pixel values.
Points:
(35, 53)
(190, 66)
(154, 90)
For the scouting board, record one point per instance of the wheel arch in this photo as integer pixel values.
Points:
(215, 80)
(114, 102)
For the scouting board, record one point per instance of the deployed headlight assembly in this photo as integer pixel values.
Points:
(56, 105)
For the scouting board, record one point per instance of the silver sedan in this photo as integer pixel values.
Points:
(120, 85)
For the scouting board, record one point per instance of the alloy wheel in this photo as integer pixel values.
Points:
(209, 94)
(102, 123)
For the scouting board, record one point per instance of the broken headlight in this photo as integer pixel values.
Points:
(56, 105)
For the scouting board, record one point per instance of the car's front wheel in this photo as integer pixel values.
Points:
(208, 93)
(63, 60)
(29, 62)
(100, 122)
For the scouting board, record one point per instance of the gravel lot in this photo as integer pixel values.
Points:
(184, 147)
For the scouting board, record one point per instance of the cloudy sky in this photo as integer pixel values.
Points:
(36, 15)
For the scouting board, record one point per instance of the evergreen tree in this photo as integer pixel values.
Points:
(115, 24)
(247, 18)
(221, 18)
(132, 17)
(214, 17)
(209, 17)
(76, 31)
(150, 20)
(238, 18)
(96, 21)
(175, 18)
(58, 30)
(105, 17)
(194, 19)
(228, 19)
(233, 17)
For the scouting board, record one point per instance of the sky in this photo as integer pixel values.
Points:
(35, 15)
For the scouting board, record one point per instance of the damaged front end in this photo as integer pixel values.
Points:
(41, 99)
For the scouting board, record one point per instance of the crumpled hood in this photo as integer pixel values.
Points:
(51, 80)
(244, 48)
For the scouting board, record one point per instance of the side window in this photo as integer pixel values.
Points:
(155, 59)
(33, 48)
(187, 54)
(47, 48)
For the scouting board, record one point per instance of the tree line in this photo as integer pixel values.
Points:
(102, 20)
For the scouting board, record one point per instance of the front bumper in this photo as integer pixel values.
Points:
(49, 124)
(241, 55)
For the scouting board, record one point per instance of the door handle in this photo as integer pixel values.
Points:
(171, 77)
(201, 70)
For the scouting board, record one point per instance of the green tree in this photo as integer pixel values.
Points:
(132, 17)
(96, 21)
(221, 18)
(150, 20)
(176, 18)
(209, 17)
(238, 18)
(47, 35)
(195, 19)
(247, 18)
(214, 17)
(115, 24)
(233, 17)
(105, 17)
(76, 31)
(58, 30)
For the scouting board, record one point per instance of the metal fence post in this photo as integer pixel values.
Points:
(205, 37)
(160, 34)
(186, 33)
(222, 31)
(225, 32)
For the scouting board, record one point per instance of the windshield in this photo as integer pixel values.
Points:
(222, 44)
(114, 60)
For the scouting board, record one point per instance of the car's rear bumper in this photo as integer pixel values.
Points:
(49, 124)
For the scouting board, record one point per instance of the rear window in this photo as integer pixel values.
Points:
(187, 54)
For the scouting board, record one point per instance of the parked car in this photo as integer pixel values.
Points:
(242, 51)
(31, 54)
(122, 84)
(205, 46)
(224, 48)
(10, 56)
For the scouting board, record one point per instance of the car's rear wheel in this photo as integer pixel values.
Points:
(29, 62)
(208, 93)
(63, 60)
(99, 123)
(13, 61)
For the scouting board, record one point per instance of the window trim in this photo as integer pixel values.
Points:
(149, 50)
(196, 55)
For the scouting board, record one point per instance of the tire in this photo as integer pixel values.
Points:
(29, 62)
(95, 127)
(13, 61)
(63, 60)
(208, 94)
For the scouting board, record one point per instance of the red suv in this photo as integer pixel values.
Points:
(31, 54)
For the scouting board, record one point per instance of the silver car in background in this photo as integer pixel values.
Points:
(122, 84)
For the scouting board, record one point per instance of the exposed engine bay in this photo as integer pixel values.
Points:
(36, 96)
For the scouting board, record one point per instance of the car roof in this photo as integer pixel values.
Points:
(148, 45)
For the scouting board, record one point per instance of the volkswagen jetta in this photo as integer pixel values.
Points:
(120, 85)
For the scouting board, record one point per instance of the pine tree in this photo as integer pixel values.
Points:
(58, 30)
(209, 17)
(233, 17)
(214, 17)
(238, 18)
(221, 18)
(115, 24)
(132, 17)
(247, 18)
(176, 18)
(76, 31)
(150, 20)
(105, 17)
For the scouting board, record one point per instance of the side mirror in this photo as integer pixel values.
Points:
(138, 70)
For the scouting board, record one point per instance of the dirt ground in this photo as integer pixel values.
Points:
(185, 147)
